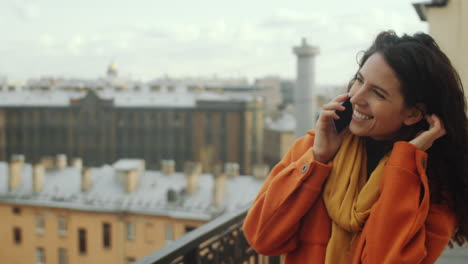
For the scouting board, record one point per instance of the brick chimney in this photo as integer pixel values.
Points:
(192, 172)
(85, 179)
(261, 171)
(167, 167)
(15, 169)
(219, 186)
(231, 169)
(77, 163)
(38, 177)
(61, 161)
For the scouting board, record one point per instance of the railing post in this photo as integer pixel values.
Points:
(274, 260)
(191, 256)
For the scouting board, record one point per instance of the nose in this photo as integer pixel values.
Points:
(358, 94)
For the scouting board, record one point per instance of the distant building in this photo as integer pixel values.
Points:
(448, 25)
(112, 214)
(103, 125)
(279, 136)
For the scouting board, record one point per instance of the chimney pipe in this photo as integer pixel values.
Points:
(219, 185)
(38, 177)
(77, 163)
(15, 169)
(231, 169)
(85, 179)
(48, 162)
(131, 179)
(167, 167)
(61, 161)
(261, 171)
(192, 172)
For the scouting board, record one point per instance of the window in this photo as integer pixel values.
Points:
(17, 235)
(130, 231)
(16, 210)
(106, 235)
(62, 226)
(40, 256)
(130, 260)
(82, 241)
(168, 233)
(39, 224)
(189, 228)
(62, 256)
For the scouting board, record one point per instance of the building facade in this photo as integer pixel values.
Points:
(110, 214)
(102, 127)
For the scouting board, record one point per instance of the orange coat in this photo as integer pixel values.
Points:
(289, 216)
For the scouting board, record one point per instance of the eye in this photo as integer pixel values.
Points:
(379, 94)
(359, 79)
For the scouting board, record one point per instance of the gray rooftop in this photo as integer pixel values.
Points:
(62, 190)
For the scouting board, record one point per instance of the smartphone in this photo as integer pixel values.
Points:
(345, 116)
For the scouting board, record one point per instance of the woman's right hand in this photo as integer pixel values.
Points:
(327, 141)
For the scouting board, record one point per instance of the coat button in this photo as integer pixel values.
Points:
(423, 163)
(304, 168)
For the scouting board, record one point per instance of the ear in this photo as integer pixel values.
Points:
(414, 114)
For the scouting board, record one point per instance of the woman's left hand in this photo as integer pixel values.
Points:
(425, 139)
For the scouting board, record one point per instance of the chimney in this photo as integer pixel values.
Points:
(15, 169)
(261, 171)
(167, 167)
(48, 162)
(231, 169)
(77, 163)
(85, 179)
(61, 161)
(131, 180)
(192, 172)
(38, 177)
(219, 186)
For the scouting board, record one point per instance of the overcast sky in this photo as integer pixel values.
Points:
(149, 38)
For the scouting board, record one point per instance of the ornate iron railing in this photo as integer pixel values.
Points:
(220, 241)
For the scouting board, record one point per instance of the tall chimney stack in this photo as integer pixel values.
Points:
(305, 102)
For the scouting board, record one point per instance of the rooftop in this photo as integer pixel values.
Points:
(62, 189)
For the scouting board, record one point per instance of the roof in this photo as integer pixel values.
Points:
(420, 7)
(61, 98)
(62, 189)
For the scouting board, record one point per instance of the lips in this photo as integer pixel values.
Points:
(361, 116)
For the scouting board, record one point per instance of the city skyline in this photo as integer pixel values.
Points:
(149, 39)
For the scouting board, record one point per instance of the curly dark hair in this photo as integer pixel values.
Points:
(428, 79)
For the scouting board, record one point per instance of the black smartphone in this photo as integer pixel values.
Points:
(345, 116)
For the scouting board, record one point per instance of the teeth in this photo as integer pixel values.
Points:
(361, 116)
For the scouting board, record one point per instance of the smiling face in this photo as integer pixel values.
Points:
(378, 105)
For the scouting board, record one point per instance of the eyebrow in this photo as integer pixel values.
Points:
(375, 86)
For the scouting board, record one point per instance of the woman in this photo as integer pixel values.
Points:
(392, 187)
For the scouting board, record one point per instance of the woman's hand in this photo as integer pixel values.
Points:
(425, 139)
(327, 141)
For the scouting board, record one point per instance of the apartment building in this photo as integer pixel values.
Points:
(58, 214)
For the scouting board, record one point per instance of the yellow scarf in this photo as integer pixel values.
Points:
(349, 196)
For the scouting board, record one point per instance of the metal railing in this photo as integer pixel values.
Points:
(220, 241)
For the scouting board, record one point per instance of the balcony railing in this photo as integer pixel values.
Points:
(219, 241)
